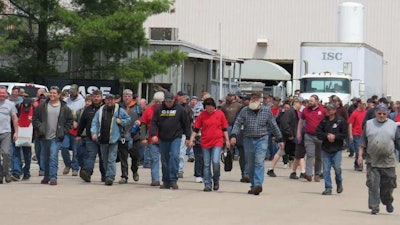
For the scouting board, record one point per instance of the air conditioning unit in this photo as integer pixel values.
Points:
(164, 33)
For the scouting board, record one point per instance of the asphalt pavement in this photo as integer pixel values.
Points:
(283, 201)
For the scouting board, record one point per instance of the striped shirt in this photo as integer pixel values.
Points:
(256, 124)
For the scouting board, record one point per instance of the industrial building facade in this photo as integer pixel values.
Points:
(273, 30)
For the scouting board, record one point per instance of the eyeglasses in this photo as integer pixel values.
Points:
(381, 114)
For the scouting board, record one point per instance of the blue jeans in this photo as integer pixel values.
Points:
(211, 155)
(17, 162)
(92, 150)
(109, 153)
(154, 152)
(170, 160)
(255, 152)
(145, 158)
(49, 154)
(81, 152)
(69, 141)
(355, 142)
(38, 150)
(332, 160)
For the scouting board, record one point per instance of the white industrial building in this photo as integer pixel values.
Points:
(273, 30)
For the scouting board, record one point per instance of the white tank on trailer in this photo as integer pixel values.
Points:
(351, 22)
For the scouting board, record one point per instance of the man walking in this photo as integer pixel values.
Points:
(379, 141)
(105, 129)
(52, 121)
(311, 115)
(131, 146)
(256, 120)
(332, 130)
(8, 113)
(170, 121)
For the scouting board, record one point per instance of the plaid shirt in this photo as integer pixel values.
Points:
(256, 124)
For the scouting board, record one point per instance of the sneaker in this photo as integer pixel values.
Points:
(251, 191)
(53, 182)
(66, 170)
(174, 186)
(190, 159)
(165, 186)
(207, 189)
(286, 166)
(15, 177)
(339, 188)
(198, 179)
(271, 173)
(216, 186)
(74, 173)
(327, 191)
(307, 177)
(84, 175)
(257, 190)
(389, 208)
(245, 179)
(123, 181)
(136, 177)
(293, 176)
(45, 181)
(155, 183)
(7, 178)
(109, 182)
(180, 175)
(41, 173)
(374, 211)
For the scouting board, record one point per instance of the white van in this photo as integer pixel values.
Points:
(30, 89)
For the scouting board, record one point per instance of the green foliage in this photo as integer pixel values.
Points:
(39, 33)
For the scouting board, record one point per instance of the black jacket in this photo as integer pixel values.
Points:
(171, 122)
(339, 127)
(65, 120)
(288, 123)
(85, 121)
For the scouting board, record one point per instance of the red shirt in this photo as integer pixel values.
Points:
(312, 118)
(147, 117)
(25, 118)
(397, 119)
(356, 120)
(211, 125)
(275, 110)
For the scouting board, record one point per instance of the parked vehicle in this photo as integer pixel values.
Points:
(344, 69)
(29, 88)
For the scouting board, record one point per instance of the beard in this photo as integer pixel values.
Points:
(254, 105)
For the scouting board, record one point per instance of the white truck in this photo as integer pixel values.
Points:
(344, 69)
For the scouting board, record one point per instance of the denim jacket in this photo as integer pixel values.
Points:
(114, 131)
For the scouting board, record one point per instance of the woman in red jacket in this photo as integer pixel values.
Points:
(213, 126)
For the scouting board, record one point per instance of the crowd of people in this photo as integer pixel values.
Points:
(307, 135)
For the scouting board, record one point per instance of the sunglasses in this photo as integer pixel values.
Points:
(382, 114)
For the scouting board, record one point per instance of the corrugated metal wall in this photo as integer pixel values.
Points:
(285, 23)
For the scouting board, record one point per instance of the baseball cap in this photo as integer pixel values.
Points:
(181, 93)
(110, 96)
(168, 96)
(330, 106)
(381, 107)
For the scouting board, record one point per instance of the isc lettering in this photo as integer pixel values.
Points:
(332, 56)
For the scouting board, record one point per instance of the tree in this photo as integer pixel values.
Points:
(102, 35)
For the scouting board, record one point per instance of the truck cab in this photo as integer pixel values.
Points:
(325, 85)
